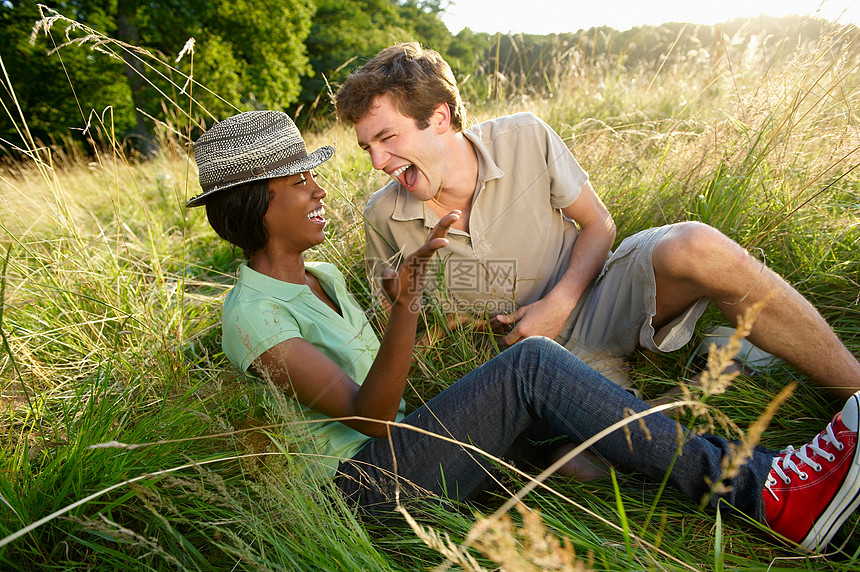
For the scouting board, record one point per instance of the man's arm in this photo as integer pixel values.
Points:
(546, 317)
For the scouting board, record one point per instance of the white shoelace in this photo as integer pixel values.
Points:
(803, 455)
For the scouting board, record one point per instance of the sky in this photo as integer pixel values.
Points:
(555, 16)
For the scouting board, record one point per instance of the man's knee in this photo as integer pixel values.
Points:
(694, 250)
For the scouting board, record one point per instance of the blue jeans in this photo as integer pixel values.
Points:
(532, 392)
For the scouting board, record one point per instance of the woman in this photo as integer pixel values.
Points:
(295, 323)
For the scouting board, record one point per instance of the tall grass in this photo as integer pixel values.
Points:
(110, 305)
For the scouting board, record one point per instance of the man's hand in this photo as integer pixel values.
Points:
(545, 317)
(404, 286)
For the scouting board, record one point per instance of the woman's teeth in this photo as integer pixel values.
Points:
(318, 214)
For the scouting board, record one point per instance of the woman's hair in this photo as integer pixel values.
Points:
(237, 214)
(418, 80)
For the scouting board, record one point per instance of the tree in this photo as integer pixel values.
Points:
(51, 106)
(247, 54)
(347, 33)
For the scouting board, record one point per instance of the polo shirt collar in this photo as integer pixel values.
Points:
(407, 207)
(487, 168)
(273, 287)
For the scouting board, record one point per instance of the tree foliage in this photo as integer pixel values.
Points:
(534, 62)
(52, 105)
(246, 54)
(290, 54)
(347, 33)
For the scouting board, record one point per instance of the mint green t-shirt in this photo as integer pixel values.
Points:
(260, 312)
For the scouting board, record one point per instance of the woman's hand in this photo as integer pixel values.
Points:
(302, 370)
(403, 287)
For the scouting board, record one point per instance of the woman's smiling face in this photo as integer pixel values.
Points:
(296, 211)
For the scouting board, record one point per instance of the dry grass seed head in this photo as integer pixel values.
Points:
(741, 450)
(627, 413)
(441, 543)
(529, 548)
(720, 374)
(129, 538)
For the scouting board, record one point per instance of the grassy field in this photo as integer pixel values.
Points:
(129, 441)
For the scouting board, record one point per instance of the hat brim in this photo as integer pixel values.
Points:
(311, 161)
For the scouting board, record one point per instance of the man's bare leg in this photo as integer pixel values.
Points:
(695, 261)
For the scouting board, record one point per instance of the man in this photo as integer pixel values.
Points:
(532, 247)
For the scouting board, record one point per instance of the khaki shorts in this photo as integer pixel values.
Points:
(613, 317)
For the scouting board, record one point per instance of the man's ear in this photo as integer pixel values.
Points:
(440, 120)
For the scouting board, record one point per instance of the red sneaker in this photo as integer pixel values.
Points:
(812, 490)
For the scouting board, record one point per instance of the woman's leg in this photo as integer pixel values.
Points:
(537, 386)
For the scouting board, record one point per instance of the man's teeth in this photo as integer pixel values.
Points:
(319, 213)
(397, 173)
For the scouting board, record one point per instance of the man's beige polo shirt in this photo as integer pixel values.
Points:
(518, 244)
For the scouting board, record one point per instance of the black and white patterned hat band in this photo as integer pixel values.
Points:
(248, 147)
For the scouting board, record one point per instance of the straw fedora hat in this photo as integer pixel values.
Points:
(251, 146)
